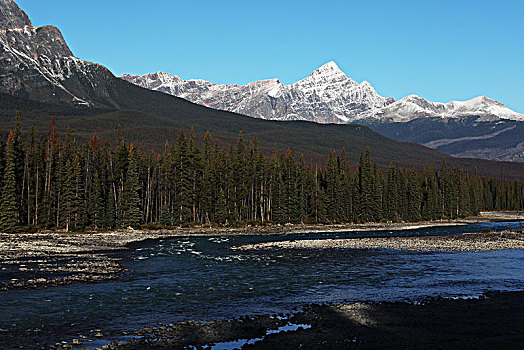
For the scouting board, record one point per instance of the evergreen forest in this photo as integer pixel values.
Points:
(54, 180)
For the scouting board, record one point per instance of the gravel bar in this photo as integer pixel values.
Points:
(464, 242)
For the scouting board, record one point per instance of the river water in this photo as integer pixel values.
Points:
(200, 278)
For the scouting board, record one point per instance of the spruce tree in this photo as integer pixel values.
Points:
(9, 211)
(366, 186)
(80, 212)
(20, 158)
(131, 198)
(110, 213)
(221, 208)
(330, 195)
(414, 197)
(72, 187)
(68, 194)
(183, 184)
(165, 216)
(98, 202)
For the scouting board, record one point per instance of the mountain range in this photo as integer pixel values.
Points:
(326, 96)
(41, 77)
(329, 96)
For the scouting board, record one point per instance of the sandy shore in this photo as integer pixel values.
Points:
(464, 242)
(492, 321)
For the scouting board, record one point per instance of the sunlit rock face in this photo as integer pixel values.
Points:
(37, 63)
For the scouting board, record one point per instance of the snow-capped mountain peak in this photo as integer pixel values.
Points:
(329, 69)
(326, 78)
(327, 95)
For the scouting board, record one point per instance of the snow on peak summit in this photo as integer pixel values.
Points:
(330, 68)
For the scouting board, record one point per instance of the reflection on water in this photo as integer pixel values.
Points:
(200, 278)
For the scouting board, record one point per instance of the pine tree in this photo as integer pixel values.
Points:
(74, 187)
(9, 211)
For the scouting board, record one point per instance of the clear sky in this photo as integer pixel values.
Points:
(438, 49)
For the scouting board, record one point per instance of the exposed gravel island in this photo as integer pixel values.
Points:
(464, 242)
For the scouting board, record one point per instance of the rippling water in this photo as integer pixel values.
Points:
(200, 278)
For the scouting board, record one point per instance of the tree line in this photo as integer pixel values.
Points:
(56, 181)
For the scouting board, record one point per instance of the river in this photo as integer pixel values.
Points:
(199, 278)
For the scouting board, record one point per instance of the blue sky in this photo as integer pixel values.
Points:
(440, 50)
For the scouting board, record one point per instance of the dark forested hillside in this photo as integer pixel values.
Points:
(151, 124)
(61, 181)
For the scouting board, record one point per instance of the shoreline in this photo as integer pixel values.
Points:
(48, 259)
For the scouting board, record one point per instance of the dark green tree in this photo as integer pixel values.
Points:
(9, 210)
(183, 183)
(131, 197)
(165, 216)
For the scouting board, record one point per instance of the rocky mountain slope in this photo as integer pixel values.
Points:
(36, 63)
(481, 126)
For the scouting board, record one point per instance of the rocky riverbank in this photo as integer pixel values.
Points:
(464, 242)
(491, 321)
